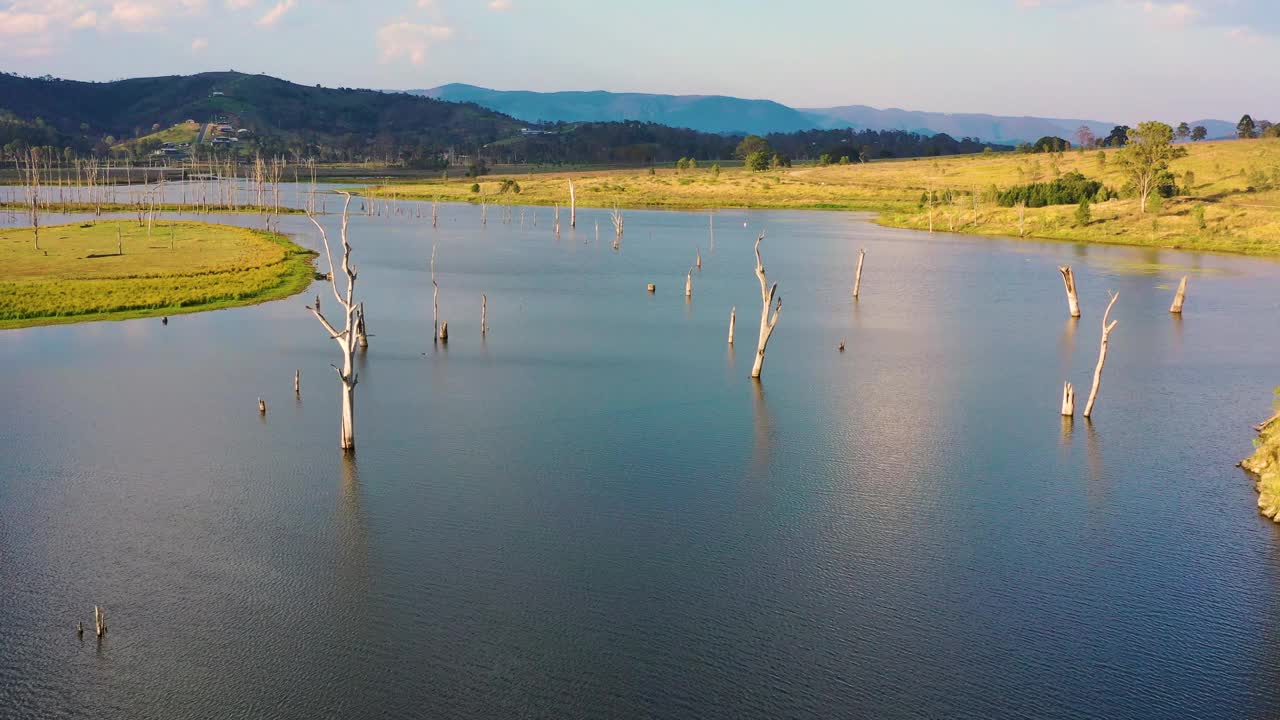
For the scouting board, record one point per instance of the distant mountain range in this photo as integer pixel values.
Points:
(722, 114)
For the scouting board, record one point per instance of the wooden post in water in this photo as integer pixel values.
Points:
(1179, 297)
(1102, 355)
(857, 277)
(1069, 281)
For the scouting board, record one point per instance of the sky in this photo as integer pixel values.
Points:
(1109, 60)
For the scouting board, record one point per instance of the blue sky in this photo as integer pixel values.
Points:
(1121, 60)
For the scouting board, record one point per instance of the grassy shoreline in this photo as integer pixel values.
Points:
(184, 267)
(118, 208)
(1227, 208)
(1265, 466)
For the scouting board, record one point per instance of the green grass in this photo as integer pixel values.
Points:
(1241, 215)
(78, 275)
(177, 134)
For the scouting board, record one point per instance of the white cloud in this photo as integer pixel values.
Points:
(86, 19)
(277, 11)
(499, 5)
(408, 40)
(199, 45)
(134, 15)
(23, 23)
(1175, 13)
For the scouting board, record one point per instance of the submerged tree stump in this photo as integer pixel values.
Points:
(652, 288)
(733, 320)
(1179, 297)
(1069, 281)
(1068, 400)
(857, 277)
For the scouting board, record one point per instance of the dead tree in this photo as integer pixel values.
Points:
(1179, 297)
(767, 323)
(347, 336)
(857, 276)
(688, 284)
(1069, 281)
(361, 335)
(1102, 355)
(1068, 400)
(697, 261)
(99, 621)
(733, 320)
(484, 313)
(297, 382)
(435, 212)
(573, 205)
(618, 222)
(435, 296)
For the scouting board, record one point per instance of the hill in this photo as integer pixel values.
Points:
(293, 115)
(991, 128)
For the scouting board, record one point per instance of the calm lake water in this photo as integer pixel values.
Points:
(593, 512)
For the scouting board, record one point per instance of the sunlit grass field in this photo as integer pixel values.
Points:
(177, 267)
(1237, 182)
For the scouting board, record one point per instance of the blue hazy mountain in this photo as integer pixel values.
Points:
(721, 114)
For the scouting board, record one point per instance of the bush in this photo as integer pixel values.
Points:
(1197, 213)
(1069, 189)
(756, 162)
(1083, 214)
(475, 187)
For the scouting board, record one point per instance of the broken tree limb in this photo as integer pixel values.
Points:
(1102, 355)
(1068, 400)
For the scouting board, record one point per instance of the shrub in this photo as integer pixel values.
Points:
(1083, 214)
(1197, 213)
(475, 187)
(1069, 189)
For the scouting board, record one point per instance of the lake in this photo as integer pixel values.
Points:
(592, 511)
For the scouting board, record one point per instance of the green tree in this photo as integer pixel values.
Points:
(693, 163)
(1189, 182)
(1119, 136)
(824, 159)
(756, 161)
(1197, 212)
(1083, 214)
(1199, 133)
(1246, 128)
(752, 144)
(844, 160)
(1146, 157)
(1183, 132)
(715, 170)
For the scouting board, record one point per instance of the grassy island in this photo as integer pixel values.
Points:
(119, 269)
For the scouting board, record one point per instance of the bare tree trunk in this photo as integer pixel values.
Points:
(688, 284)
(347, 337)
(297, 382)
(361, 335)
(444, 331)
(435, 213)
(1069, 281)
(435, 296)
(484, 313)
(857, 276)
(698, 258)
(1102, 355)
(767, 324)
(573, 205)
(1179, 297)
(99, 621)
(733, 321)
(1068, 400)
